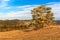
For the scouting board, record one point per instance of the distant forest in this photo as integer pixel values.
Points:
(57, 22)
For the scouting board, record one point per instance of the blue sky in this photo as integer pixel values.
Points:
(30, 2)
(20, 9)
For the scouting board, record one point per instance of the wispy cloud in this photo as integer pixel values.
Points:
(56, 9)
(4, 3)
(24, 12)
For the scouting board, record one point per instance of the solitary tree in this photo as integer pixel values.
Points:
(43, 16)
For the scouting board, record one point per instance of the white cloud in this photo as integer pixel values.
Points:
(27, 7)
(56, 9)
(25, 11)
(16, 15)
(6, 0)
(4, 3)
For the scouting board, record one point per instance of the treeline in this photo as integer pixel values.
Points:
(57, 22)
(6, 25)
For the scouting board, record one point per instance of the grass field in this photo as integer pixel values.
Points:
(48, 33)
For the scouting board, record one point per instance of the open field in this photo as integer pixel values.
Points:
(48, 33)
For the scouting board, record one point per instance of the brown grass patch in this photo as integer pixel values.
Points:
(50, 33)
